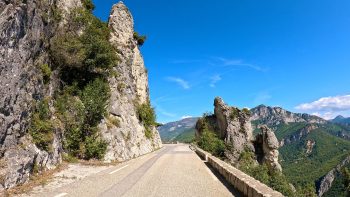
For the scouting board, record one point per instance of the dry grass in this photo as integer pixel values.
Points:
(97, 163)
(35, 180)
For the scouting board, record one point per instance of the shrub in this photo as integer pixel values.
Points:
(94, 97)
(307, 190)
(88, 5)
(146, 115)
(95, 148)
(67, 51)
(148, 133)
(41, 127)
(246, 111)
(234, 113)
(140, 39)
(46, 71)
(211, 143)
(274, 179)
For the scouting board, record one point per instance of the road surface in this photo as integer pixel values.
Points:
(174, 170)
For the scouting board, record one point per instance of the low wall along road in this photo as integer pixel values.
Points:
(245, 184)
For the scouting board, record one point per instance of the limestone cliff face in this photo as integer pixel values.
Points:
(127, 139)
(25, 30)
(268, 143)
(234, 127)
(273, 116)
(325, 183)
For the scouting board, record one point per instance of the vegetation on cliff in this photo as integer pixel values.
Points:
(83, 57)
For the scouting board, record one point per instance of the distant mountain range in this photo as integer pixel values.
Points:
(341, 120)
(310, 147)
(182, 130)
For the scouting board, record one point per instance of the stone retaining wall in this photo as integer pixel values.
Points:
(245, 184)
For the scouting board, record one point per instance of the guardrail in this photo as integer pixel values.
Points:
(247, 185)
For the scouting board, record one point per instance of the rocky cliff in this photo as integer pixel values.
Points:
(26, 32)
(233, 126)
(273, 116)
(325, 183)
(128, 91)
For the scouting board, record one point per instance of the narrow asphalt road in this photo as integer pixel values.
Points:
(174, 170)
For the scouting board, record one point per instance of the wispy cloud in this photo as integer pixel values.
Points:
(186, 61)
(184, 117)
(164, 112)
(238, 62)
(181, 82)
(327, 107)
(214, 79)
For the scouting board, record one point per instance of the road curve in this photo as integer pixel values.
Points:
(174, 170)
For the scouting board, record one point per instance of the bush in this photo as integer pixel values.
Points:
(88, 5)
(41, 127)
(140, 39)
(211, 143)
(246, 111)
(146, 115)
(275, 180)
(67, 51)
(46, 71)
(234, 113)
(94, 97)
(95, 148)
(148, 133)
(90, 50)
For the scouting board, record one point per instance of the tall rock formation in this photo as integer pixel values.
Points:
(26, 28)
(233, 126)
(267, 142)
(129, 90)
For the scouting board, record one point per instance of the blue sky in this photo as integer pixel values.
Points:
(292, 53)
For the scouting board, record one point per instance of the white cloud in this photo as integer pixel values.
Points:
(214, 79)
(184, 117)
(336, 103)
(325, 115)
(327, 107)
(181, 82)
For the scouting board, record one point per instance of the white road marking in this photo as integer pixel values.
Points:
(211, 174)
(61, 194)
(118, 169)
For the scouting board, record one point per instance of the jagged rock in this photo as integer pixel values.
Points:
(309, 146)
(273, 116)
(231, 125)
(268, 143)
(325, 183)
(129, 89)
(234, 127)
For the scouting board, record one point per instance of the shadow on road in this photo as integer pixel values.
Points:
(222, 179)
